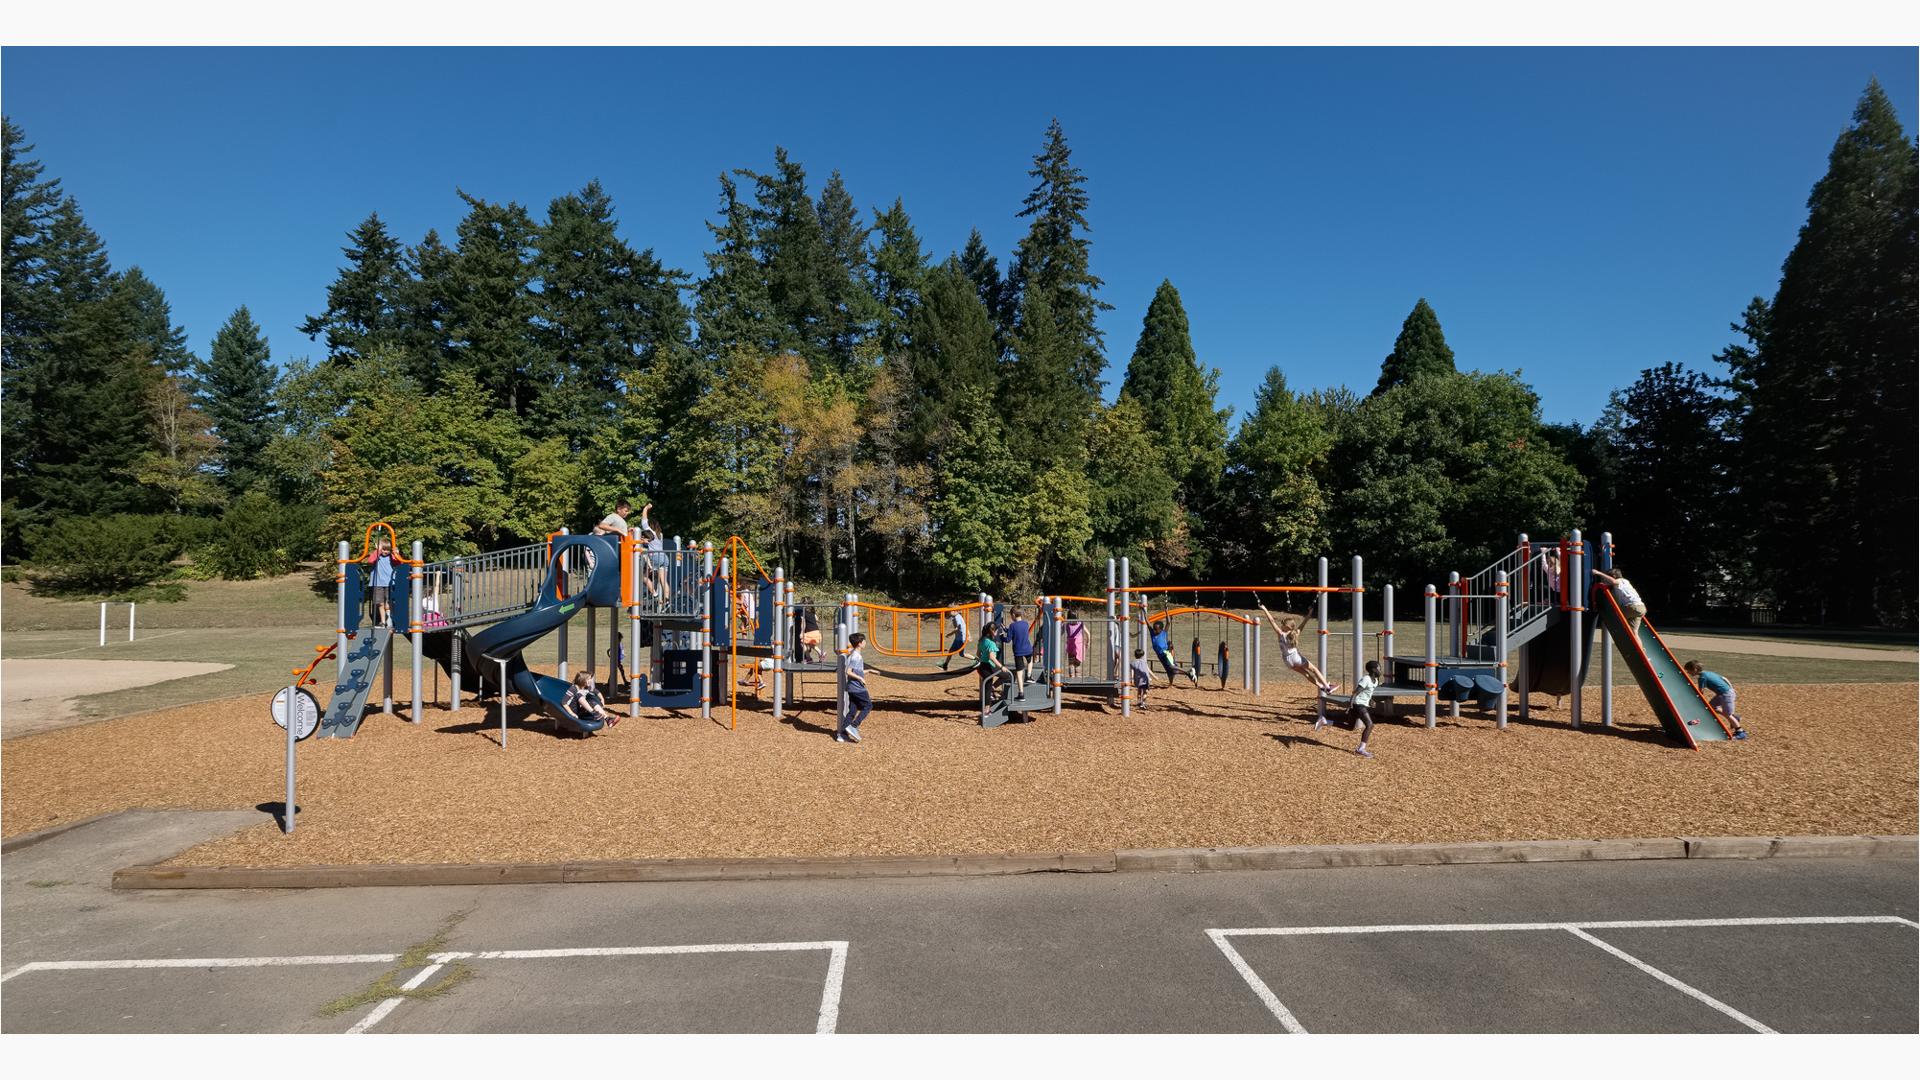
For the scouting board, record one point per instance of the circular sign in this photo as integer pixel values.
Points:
(306, 713)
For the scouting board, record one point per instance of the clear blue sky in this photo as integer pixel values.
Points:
(1576, 215)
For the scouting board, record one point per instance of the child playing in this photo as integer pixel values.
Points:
(1020, 637)
(1142, 676)
(381, 566)
(958, 624)
(617, 674)
(1291, 654)
(1634, 607)
(1076, 646)
(655, 564)
(859, 702)
(583, 700)
(987, 663)
(1361, 711)
(1722, 691)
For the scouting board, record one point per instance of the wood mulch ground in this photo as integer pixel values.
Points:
(1198, 768)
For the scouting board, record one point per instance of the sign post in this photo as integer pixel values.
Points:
(295, 710)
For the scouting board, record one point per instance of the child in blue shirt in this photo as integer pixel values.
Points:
(1723, 698)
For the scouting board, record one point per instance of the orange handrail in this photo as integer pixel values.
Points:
(1240, 588)
(305, 674)
(366, 545)
(1205, 611)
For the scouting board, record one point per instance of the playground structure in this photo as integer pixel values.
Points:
(702, 612)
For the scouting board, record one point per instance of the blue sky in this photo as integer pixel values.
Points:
(1576, 215)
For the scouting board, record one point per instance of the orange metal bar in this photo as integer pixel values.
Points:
(366, 544)
(1240, 588)
(1170, 613)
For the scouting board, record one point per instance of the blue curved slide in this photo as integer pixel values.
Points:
(507, 639)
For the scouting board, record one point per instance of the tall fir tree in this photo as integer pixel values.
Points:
(235, 390)
(424, 310)
(1420, 349)
(984, 271)
(851, 311)
(1177, 395)
(732, 307)
(491, 305)
(1054, 257)
(1273, 520)
(793, 253)
(153, 323)
(365, 301)
(949, 356)
(1041, 404)
(1830, 430)
(899, 276)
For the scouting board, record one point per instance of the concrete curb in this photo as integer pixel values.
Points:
(1302, 857)
(27, 840)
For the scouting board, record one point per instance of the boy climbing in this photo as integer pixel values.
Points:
(1723, 699)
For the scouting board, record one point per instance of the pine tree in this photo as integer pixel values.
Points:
(153, 323)
(1043, 407)
(1053, 258)
(732, 308)
(984, 271)
(1177, 395)
(1273, 521)
(235, 391)
(365, 300)
(491, 306)
(1421, 349)
(949, 356)
(1830, 430)
(794, 254)
(91, 437)
(1134, 509)
(899, 274)
(851, 309)
(424, 309)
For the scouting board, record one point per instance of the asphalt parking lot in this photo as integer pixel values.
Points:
(1777, 945)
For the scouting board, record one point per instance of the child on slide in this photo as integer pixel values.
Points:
(583, 700)
(1291, 654)
(1723, 697)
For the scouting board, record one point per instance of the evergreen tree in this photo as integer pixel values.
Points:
(1830, 423)
(365, 300)
(793, 252)
(235, 390)
(1668, 432)
(153, 323)
(980, 515)
(984, 271)
(732, 307)
(949, 355)
(1043, 407)
(851, 310)
(1176, 394)
(1273, 521)
(1053, 258)
(426, 296)
(490, 306)
(1133, 506)
(899, 274)
(1421, 349)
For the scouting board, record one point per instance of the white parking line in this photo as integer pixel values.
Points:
(1697, 995)
(201, 962)
(381, 1010)
(1578, 929)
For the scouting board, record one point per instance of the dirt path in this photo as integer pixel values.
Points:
(38, 695)
(1759, 647)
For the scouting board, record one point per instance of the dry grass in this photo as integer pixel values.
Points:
(1199, 768)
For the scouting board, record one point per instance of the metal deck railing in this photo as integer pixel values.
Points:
(472, 589)
(684, 567)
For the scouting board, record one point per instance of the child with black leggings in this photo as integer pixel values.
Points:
(1360, 713)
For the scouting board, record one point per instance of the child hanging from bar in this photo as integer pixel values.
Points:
(1291, 654)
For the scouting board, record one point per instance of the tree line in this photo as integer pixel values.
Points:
(865, 410)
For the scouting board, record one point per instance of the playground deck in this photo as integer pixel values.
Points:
(1197, 767)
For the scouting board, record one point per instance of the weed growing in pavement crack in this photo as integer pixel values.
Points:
(418, 955)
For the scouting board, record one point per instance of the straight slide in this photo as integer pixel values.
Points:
(1676, 698)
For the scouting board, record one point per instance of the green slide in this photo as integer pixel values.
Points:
(1676, 700)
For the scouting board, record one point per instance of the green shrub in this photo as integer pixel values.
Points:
(105, 554)
(257, 537)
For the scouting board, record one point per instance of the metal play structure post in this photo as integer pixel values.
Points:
(1605, 553)
(779, 641)
(1247, 638)
(634, 564)
(503, 703)
(340, 588)
(1259, 645)
(1386, 625)
(459, 642)
(1500, 640)
(593, 649)
(1126, 637)
(1054, 659)
(415, 609)
(1522, 670)
(840, 635)
(1320, 644)
(1433, 661)
(706, 630)
(293, 722)
(1573, 579)
(559, 583)
(1456, 625)
(1359, 624)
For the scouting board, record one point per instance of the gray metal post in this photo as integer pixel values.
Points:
(130, 612)
(779, 641)
(292, 714)
(1456, 626)
(561, 571)
(1320, 634)
(1606, 643)
(1247, 637)
(1575, 572)
(1054, 661)
(841, 648)
(706, 634)
(1433, 662)
(1386, 626)
(1359, 623)
(416, 604)
(635, 565)
(340, 587)
(459, 642)
(1259, 645)
(386, 673)
(503, 703)
(103, 624)
(1500, 640)
(593, 645)
(1126, 637)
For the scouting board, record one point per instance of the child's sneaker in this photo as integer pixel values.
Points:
(853, 734)
(839, 737)
(1740, 734)
(1362, 751)
(1320, 723)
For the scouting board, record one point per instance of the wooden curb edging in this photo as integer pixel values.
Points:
(1300, 857)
